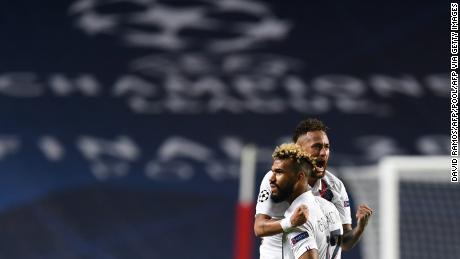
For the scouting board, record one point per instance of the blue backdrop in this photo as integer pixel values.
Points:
(122, 121)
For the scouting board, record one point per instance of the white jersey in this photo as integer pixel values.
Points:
(335, 228)
(321, 231)
(329, 187)
(271, 247)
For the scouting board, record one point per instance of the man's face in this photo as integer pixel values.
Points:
(282, 180)
(316, 144)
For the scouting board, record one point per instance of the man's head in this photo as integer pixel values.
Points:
(311, 135)
(290, 171)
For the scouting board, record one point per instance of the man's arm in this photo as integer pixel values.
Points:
(264, 225)
(352, 236)
(310, 254)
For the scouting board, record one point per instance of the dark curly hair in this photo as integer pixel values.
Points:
(311, 124)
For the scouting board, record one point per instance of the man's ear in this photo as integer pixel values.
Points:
(301, 175)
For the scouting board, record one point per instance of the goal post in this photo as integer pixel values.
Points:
(416, 207)
(391, 171)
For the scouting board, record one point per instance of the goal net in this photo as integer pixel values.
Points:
(416, 208)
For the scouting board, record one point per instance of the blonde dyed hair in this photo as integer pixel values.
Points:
(294, 152)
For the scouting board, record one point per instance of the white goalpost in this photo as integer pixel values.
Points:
(416, 207)
(392, 170)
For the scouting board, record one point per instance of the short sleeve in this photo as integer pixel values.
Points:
(302, 241)
(343, 204)
(265, 205)
(263, 199)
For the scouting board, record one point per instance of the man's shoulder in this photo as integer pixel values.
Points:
(332, 180)
(268, 174)
(266, 177)
(306, 198)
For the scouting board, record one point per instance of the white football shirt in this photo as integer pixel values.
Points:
(271, 246)
(330, 187)
(320, 232)
(335, 228)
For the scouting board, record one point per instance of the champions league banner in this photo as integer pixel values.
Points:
(122, 121)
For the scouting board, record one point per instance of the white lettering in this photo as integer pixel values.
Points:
(387, 86)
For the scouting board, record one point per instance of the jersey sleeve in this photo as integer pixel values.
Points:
(302, 240)
(264, 203)
(342, 203)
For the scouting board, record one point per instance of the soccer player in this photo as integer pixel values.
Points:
(320, 235)
(311, 135)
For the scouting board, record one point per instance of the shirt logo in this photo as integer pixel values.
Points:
(263, 196)
(346, 203)
(299, 237)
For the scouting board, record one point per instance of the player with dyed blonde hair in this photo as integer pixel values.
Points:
(320, 235)
(269, 224)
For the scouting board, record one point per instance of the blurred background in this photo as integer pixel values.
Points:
(122, 121)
